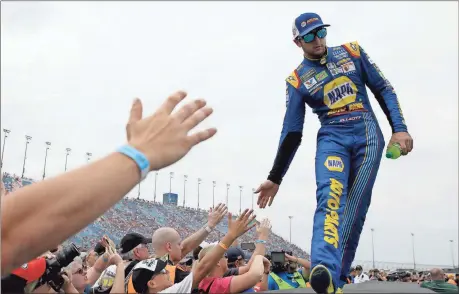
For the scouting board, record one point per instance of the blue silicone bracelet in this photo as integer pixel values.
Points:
(139, 158)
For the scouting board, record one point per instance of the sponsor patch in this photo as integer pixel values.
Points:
(331, 65)
(293, 80)
(358, 106)
(307, 75)
(321, 76)
(348, 67)
(312, 20)
(336, 71)
(310, 83)
(345, 60)
(315, 90)
(340, 54)
(353, 48)
(332, 221)
(334, 163)
(339, 92)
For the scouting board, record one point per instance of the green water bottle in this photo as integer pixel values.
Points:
(394, 151)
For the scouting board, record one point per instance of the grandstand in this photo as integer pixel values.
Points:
(145, 217)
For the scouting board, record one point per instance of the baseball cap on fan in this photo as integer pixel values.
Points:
(305, 23)
(132, 240)
(144, 271)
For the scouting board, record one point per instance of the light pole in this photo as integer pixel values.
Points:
(171, 175)
(199, 183)
(213, 193)
(46, 156)
(88, 156)
(290, 218)
(28, 138)
(452, 252)
(253, 195)
(240, 200)
(414, 259)
(227, 192)
(156, 178)
(373, 247)
(66, 155)
(4, 141)
(185, 178)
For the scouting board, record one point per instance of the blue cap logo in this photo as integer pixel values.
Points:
(305, 23)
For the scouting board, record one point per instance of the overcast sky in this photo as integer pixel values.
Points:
(70, 71)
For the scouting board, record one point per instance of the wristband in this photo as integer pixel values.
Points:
(208, 229)
(260, 242)
(140, 159)
(222, 245)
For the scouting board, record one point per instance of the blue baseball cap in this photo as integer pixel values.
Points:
(305, 23)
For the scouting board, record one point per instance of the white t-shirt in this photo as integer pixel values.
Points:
(183, 287)
(361, 278)
(106, 279)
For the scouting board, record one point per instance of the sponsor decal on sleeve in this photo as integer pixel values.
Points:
(293, 79)
(353, 48)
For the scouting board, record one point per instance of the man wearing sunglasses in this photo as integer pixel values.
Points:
(332, 81)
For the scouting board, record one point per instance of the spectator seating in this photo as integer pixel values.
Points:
(145, 217)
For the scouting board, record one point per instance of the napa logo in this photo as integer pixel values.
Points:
(339, 92)
(334, 163)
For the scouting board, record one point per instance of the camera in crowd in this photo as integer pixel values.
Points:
(40, 271)
(53, 272)
(278, 261)
(248, 246)
(398, 276)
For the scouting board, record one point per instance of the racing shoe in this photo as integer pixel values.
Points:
(321, 280)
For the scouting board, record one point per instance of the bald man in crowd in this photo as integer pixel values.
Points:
(167, 241)
(438, 284)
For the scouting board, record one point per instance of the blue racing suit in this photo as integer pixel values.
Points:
(349, 146)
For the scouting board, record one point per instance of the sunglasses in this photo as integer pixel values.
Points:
(320, 33)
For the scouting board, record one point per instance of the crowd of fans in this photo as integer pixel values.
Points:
(131, 219)
(146, 216)
(435, 279)
(75, 233)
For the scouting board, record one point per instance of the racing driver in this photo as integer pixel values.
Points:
(332, 80)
